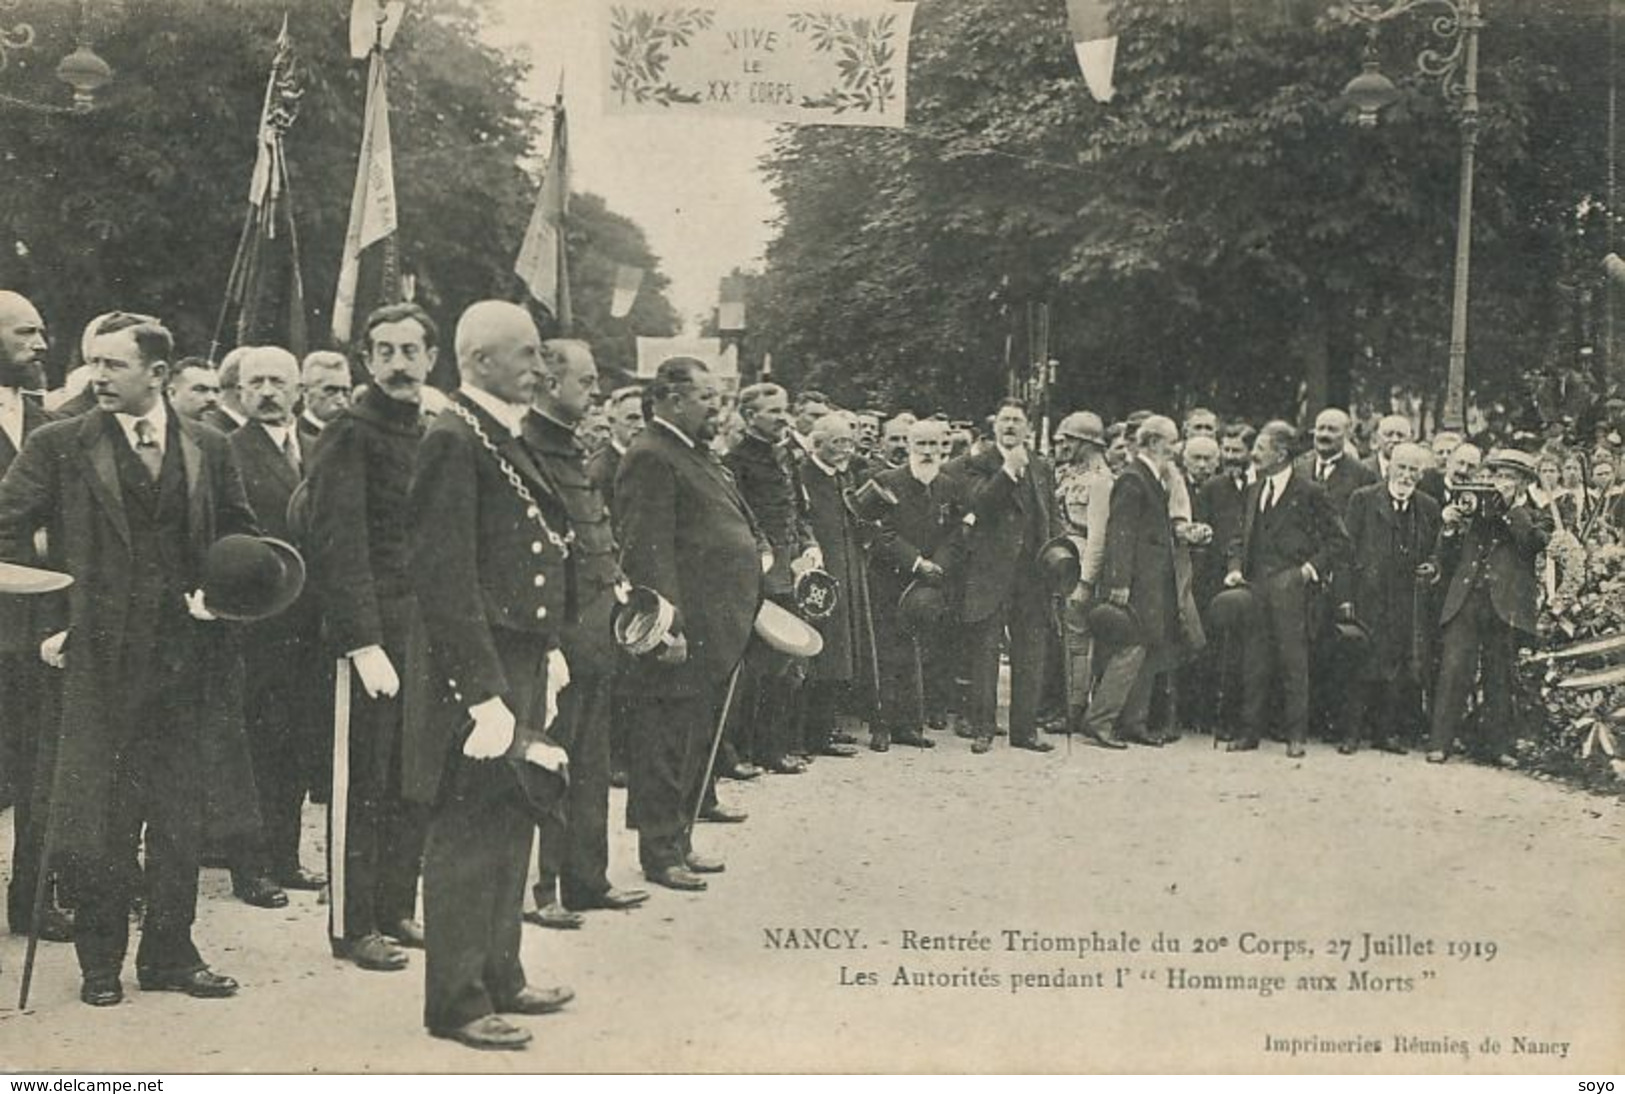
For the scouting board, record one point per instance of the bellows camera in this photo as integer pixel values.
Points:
(1476, 499)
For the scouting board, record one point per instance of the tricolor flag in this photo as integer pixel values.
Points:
(628, 280)
(371, 235)
(542, 264)
(1095, 43)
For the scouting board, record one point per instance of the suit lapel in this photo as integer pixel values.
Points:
(96, 438)
(197, 494)
(275, 457)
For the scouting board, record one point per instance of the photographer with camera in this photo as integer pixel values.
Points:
(1490, 541)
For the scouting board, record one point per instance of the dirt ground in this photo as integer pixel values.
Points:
(1284, 861)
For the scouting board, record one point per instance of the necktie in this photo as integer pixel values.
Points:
(146, 447)
(1269, 496)
(290, 452)
(1325, 470)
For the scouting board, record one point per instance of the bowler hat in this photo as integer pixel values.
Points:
(1230, 609)
(787, 632)
(871, 501)
(1061, 563)
(922, 606)
(246, 578)
(1114, 626)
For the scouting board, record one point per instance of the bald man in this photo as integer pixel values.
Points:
(228, 415)
(495, 576)
(1392, 430)
(24, 623)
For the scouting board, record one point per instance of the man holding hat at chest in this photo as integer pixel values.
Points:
(134, 497)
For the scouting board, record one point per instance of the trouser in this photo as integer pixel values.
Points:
(22, 722)
(144, 806)
(1397, 704)
(671, 742)
(620, 727)
(573, 854)
(762, 724)
(820, 699)
(1122, 697)
(1077, 665)
(476, 857)
(1478, 642)
(1275, 651)
(1026, 617)
(273, 725)
(383, 850)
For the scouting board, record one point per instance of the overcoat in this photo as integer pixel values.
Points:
(997, 543)
(1379, 577)
(846, 654)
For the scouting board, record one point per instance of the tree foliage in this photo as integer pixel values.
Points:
(139, 204)
(1219, 232)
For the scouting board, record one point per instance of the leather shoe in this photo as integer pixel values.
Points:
(198, 983)
(1104, 741)
(619, 779)
(1347, 748)
(1392, 745)
(721, 814)
(1033, 745)
(742, 772)
(101, 991)
(554, 916)
(981, 745)
(489, 1032)
(914, 739)
(372, 952)
(676, 877)
(408, 933)
(1150, 740)
(1241, 746)
(786, 766)
(965, 731)
(54, 925)
(699, 864)
(842, 737)
(301, 879)
(615, 900)
(261, 892)
(1295, 752)
(833, 749)
(879, 742)
(537, 1000)
(1436, 757)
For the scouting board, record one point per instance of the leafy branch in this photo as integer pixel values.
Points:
(866, 54)
(641, 42)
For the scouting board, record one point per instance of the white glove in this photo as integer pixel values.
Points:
(493, 729)
(377, 674)
(50, 650)
(767, 560)
(197, 609)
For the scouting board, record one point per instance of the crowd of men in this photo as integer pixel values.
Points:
(449, 679)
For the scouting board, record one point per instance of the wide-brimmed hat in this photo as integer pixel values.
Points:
(641, 620)
(787, 632)
(1510, 459)
(246, 578)
(1114, 626)
(922, 606)
(1061, 563)
(18, 580)
(871, 501)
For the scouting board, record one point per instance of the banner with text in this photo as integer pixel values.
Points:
(812, 63)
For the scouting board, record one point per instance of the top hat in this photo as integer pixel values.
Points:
(1061, 563)
(871, 501)
(1114, 626)
(816, 593)
(1230, 609)
(922, 606)
(21, 580)
(787, 632)
(641, 620)
(246, 578)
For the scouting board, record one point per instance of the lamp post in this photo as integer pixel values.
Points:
(1454, 63)
(82, 70)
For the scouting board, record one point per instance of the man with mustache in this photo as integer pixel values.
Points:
(1215, 677)
(228, 414)
(359, 559)
(894, 441)
(325, 390)
(687, 534)
(25, 621)
(194, 389)
(1392, 527)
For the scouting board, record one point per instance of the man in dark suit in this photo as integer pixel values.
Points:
(1290, 537)
(625, 410)
(133, 496)
(25, 621)
(1137, 574)
(1330, 465)
(573, 854)
(1215, 680)
(194, 389)
(491, 563)
(1489, 603)
(769, 481)
(324, 391)
(846, 665)
(227, 415)
(1392, 430)
(359, 558)
(687, 534)
(282, 665)
(1011, 495)
(921, 539)
(1392, 527)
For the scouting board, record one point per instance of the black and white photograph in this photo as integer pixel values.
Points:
(822, 537)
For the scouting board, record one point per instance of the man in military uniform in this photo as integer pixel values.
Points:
(573, 855)
(1081, 476)
(491, 565)
(359, 561)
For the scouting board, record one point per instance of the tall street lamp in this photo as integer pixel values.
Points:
(82, 70)
(1454, 62)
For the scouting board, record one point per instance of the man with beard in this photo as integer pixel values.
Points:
(573, 856)
(1290, 537)
(283, 677)
(1214, 682)
(1392, 527)
(846, 663)
(134, 496)
(1011, 495)
(920, 540)
(25, 621)
(360, 562)
(768, 480)
(194, 389)
(494, 572)
(687, 534)
(324, 386)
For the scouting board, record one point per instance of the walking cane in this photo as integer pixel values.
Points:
(41, 880)
(338, 800)
(874, 651)
(716, 743)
